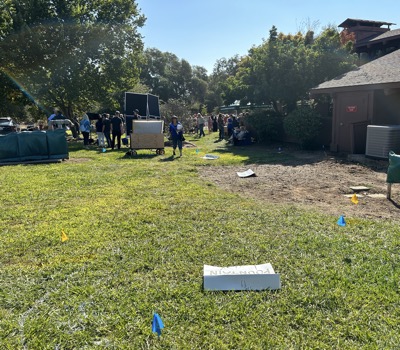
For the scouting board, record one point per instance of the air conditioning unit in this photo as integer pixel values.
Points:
(381, 139)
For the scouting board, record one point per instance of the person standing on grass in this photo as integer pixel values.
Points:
(200, 124)
(117, 126)
(220, 122)
(107, 129)
(176, 132)
(84, 127)
(214, 123)
(99, 131)
(229, 124)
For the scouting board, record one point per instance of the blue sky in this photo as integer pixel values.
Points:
(202, 31)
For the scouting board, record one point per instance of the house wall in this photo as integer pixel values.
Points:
(386, 107)
(362, 32)
(352, 112)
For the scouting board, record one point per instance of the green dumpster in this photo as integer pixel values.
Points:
(393, 173)
(9, 151)
(32, 145)
(57, 144)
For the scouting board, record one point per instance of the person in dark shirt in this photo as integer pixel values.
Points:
(229, 124)
(58, 116)
(235, 122)
(176, 132)
(116, 129)
(107, 129)
(214, 123)
(99, 131)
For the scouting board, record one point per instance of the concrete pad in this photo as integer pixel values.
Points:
(351, 195)
(359, 188)
(377, 195)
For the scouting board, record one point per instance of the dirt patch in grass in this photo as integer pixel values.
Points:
(314, 180)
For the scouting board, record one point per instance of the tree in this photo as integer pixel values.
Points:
(72, 54)
(174, 79)
(283, 68)
(217, 82)
(166, 75)
(12, 100)
(303, 123)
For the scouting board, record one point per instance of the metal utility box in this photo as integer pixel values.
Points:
(381, 139)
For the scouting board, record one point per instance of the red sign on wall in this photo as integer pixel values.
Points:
(351, 109)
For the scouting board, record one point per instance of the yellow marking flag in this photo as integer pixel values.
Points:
(354, 199)
(64, 237)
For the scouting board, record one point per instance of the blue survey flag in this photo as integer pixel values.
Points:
(341, 221)
(157, 324)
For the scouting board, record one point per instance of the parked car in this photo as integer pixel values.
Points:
(7, 125)
(31, 127)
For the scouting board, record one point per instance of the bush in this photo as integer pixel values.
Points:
(265, 126)
(304, 124)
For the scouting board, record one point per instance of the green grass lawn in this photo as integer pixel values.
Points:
(140, 230)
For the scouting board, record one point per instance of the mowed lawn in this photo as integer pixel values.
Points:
(140, 230)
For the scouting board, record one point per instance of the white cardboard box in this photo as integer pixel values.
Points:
(141, 141)
(147, 126)
(247, 277)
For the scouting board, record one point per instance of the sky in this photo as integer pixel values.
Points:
(203, 31)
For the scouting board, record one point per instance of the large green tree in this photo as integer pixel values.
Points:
(174, 79)
(166, 75)
(72, 54)
(283, 68)
(223, 69)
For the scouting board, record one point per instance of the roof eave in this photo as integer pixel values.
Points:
(330, 90)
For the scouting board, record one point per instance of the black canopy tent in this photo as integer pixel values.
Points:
(146, 104)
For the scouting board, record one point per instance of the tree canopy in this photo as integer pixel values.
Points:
(82, 55)
(283, 68)
(74, 54)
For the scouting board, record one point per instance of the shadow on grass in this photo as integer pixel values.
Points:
(272, 154)
(167, 159)
(127, 155)
(289, 154)
(76, 146)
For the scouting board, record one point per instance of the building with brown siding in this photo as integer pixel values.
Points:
(367, 95)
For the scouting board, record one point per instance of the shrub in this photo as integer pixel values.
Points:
(304, 124)
(265, 126)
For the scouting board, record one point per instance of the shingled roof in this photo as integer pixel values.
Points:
(351, 22)
(381, 73)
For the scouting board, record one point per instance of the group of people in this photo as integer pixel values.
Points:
(217, 124)
(108, 129)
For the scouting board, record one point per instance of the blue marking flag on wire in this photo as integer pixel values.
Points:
(157, 324)
(341, 221)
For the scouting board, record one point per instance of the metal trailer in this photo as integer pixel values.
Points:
(147, 134)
